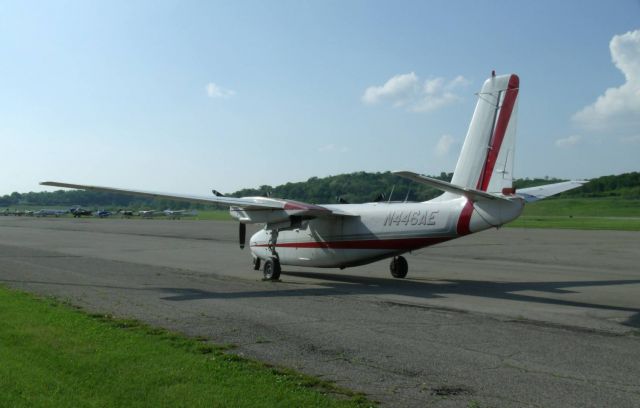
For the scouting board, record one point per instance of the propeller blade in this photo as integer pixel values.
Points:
(243, 235)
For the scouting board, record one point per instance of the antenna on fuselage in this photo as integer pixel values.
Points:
(391, 193)
(407, 197)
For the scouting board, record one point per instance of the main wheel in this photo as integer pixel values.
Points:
(256, 264)
(399, 267)
(271, 269)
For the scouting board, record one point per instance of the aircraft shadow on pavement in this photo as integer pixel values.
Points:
(343, 285)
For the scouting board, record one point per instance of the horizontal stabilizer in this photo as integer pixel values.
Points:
(471, 194)
(532, 194)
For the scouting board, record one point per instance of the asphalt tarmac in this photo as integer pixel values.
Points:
(508, 318)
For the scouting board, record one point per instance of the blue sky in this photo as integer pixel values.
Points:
(188, 96)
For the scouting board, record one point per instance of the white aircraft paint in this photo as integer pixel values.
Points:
(480, 196)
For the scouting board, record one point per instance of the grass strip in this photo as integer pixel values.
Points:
(579, 223)
(217, 215)
(52, 354)
(585, 207)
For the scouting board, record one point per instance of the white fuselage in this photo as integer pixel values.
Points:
(380, 230)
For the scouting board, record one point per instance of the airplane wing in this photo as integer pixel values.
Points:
(246, 204)
(532, 194)
(258, 202)
(474, 195)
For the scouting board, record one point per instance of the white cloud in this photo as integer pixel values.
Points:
(444, 145)
(332, 148)
(216, 91)
(618, 109)
(408, 91)
(397, 89)
(568, 141)
(458, 81)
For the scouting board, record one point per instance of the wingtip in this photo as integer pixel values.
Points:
(581, 182)
(401, 172)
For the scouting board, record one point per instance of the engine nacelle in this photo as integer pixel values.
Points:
(259, 216)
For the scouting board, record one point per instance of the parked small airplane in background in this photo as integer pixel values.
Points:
(18, 213)
(103, 213)
(48, 212)
(78, 211)
(480, 196)
(177, 214)
(125, 213)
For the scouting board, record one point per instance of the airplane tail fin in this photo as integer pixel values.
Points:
(486, 160)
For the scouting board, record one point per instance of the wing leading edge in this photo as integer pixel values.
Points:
(241, 208)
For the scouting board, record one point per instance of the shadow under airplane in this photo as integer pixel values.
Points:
(341, 285)
(344, 285)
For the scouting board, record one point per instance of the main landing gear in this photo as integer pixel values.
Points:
(398, 267)
(271, 269)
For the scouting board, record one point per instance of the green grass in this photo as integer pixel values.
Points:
(585, 207)
(584, 223)
(611, 213)
(218, 215)
(54, 355)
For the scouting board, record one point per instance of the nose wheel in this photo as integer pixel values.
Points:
(271, 269)
(399, 267)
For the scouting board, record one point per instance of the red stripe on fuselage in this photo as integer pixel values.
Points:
(396, 244)
(465, 219)
(498, 135)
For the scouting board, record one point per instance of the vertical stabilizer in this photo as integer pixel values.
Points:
(486, 160)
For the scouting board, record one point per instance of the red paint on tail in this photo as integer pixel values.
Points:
(498, 135)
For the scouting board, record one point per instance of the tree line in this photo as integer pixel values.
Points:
(356, 187)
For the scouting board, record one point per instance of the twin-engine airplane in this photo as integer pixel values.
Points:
(480, 196)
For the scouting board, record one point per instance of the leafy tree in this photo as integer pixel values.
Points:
(356, 187)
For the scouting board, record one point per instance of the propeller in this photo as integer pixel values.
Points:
(242, 235)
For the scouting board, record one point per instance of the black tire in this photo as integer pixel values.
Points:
(271, 269)
(399, 267)
(256, 264)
